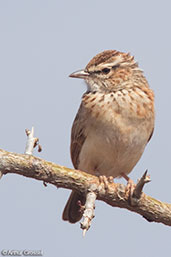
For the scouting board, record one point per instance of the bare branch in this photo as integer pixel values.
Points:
(33, 167)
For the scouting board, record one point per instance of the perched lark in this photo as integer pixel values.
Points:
(114, 123)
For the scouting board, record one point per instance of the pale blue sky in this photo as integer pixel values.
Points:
(41, 43)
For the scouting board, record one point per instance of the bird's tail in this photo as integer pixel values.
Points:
(72, 211)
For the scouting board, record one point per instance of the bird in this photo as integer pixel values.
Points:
(114, 123)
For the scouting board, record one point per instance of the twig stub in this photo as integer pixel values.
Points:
(89, 211)
(32, 142)
(139, 187)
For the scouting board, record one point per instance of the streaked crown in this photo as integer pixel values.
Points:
(110, 59)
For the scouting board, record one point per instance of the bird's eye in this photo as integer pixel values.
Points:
(106, 70)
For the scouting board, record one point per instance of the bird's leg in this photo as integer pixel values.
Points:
(130, 185)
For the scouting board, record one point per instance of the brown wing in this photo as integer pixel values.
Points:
(77, 136)
(150, 135)
(72, 211)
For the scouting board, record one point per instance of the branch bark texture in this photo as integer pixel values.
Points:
(60, 176)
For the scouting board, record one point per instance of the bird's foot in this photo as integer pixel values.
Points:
(106, 181)
(82, 207)
(129, 187)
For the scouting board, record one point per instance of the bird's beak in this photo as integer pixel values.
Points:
(81, 74)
